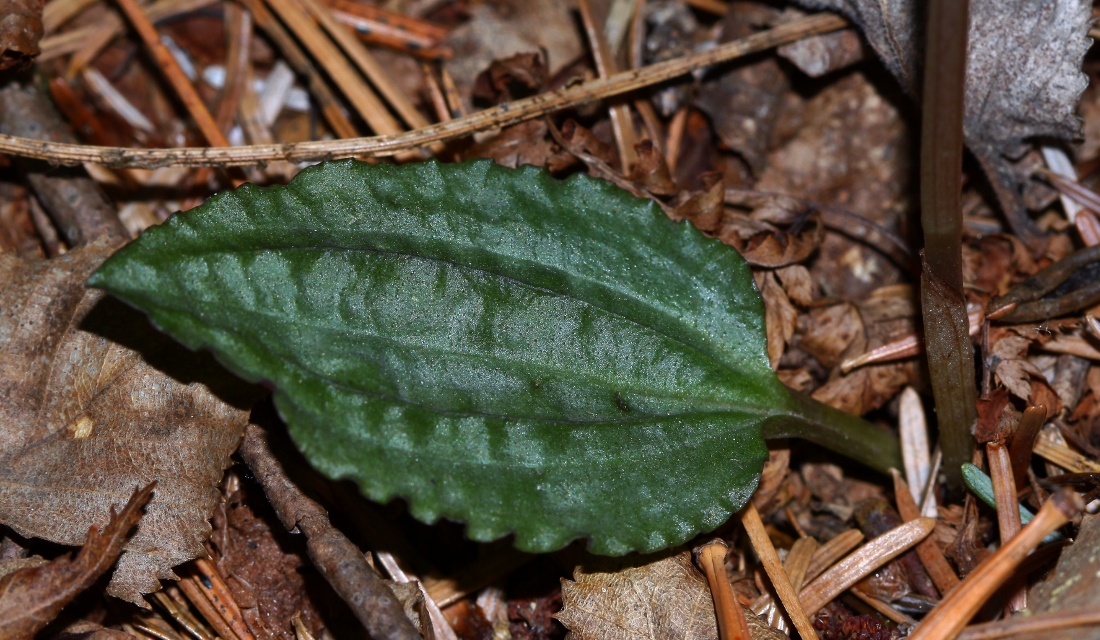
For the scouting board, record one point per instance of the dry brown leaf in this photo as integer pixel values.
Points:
(818, 55)
(743, 102)
(832, 332)
(1013, 370)
(524, 143)
(704, 208)
(20, 30)
(846, 147)
(667, 599)
(84, 419)
(798, 284)
(497, 30)
(513, 77)
(1023, 78)
(33, 596)
(650, 172)
(780, 316)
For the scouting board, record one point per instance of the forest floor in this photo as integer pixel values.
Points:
(800, 149)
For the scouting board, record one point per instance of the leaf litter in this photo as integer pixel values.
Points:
(831, 294)
(86, 418)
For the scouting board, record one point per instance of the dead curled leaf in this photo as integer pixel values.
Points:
(31, 598)
(84, 418)
(20, 30)
(838, 332)
(1023, 78)
(667, 599)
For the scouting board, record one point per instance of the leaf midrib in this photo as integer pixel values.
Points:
(322, 248)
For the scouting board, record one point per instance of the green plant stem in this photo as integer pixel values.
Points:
(950, 352)
(837, 431)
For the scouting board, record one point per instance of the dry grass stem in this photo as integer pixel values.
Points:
(762, 544)
(215, 590)
(435, 93)
(860, 564)
(447, 591)
(58, 12)
(904, 347)
(732, 624)
(168, 65)
(440, 625)
(92, 40)
(450, 91)
(503, 115)
(293, 54)
(238, 28)
(206, 609)
(798, 560)
(182, 616)
(943, 576)
(882, 607)
(716, 7)
(957, 607)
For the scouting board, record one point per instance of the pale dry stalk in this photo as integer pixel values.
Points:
(362, 98)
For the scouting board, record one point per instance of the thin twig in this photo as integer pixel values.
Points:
(336, 557)
(503, 115)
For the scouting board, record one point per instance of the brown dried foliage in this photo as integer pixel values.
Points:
(84, 418)
(31, 597)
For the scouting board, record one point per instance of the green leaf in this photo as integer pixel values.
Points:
(556, 359)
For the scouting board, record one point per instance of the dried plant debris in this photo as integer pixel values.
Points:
(266, 567)
(664, 599)
(84, 419)
(32, 596)
(1074, 585)
(1024, 76)
(743, 103)
(20, 30)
